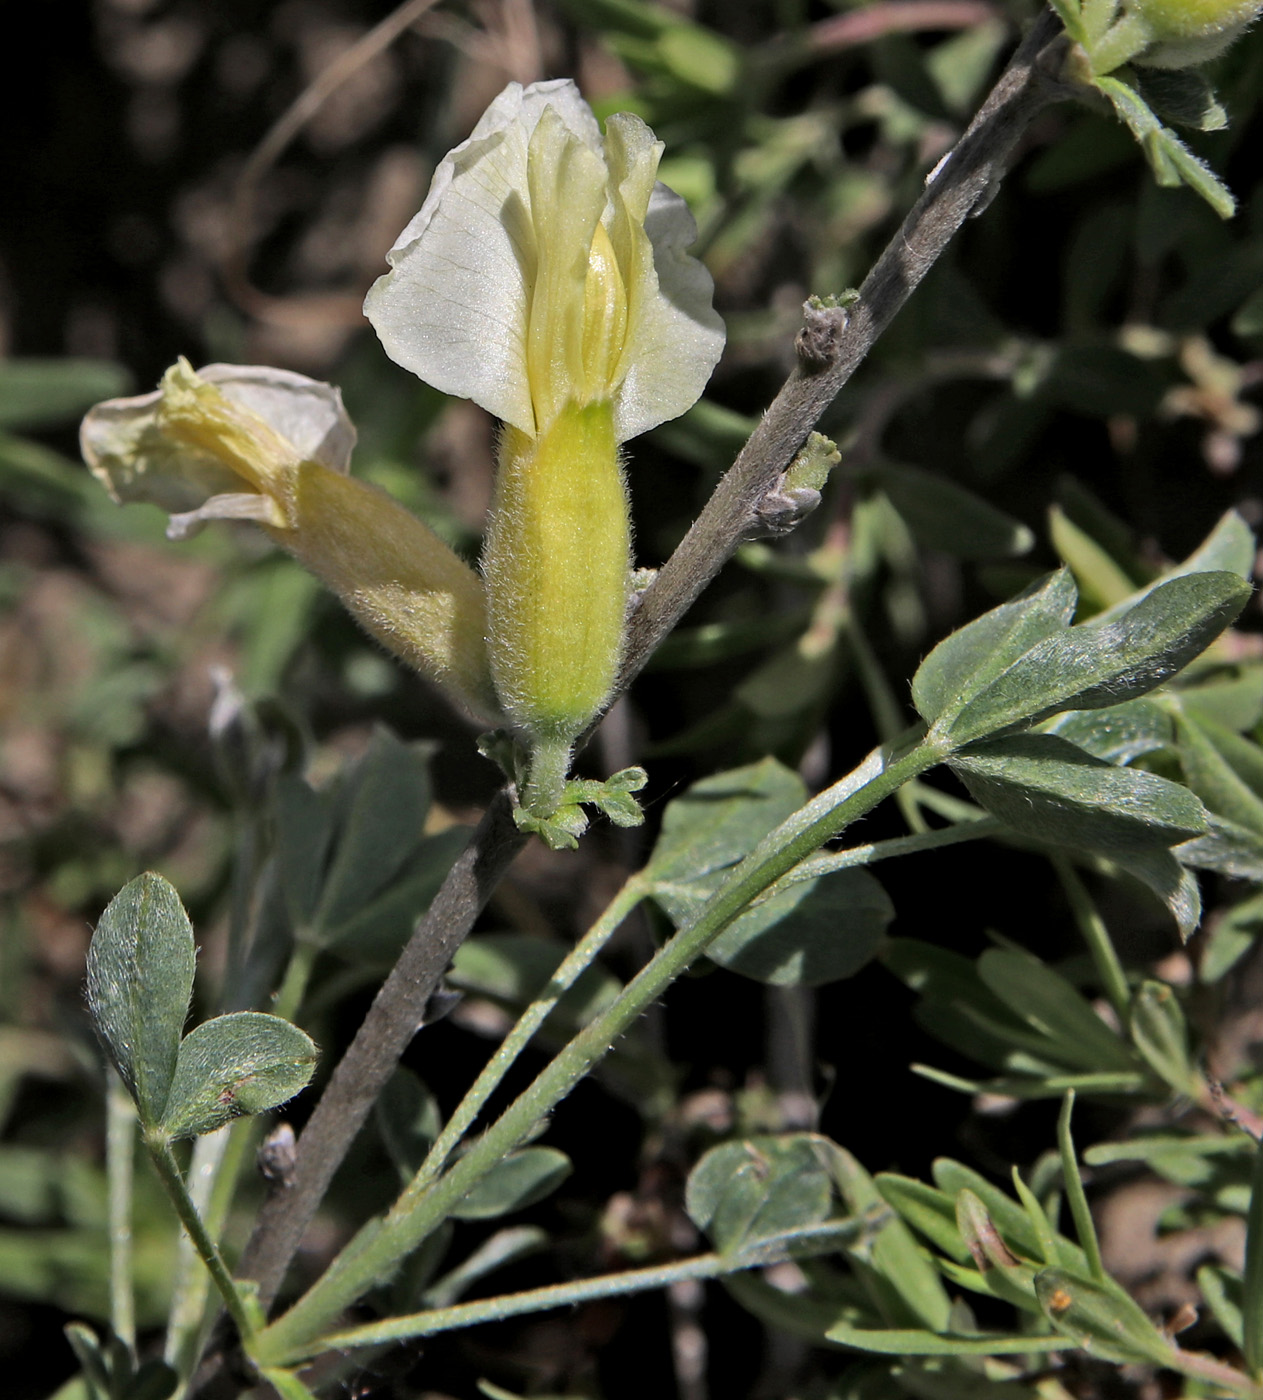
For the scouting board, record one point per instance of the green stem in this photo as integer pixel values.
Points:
(378, 1250)
(293, 988)
(560, 1295)
(1206, 1368)
(218, 1161)
(186, 1317)
(120, 1147)
(550, 764)
(1075, 1195)
(971, 829)
(169, 1173)
(1121, 43)
(1108, 967)
(567, 974)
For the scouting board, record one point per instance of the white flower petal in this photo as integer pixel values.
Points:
(129, 455)
(307, 412)
(123, 442)
(678, 336)
(453, 310)
(233, 505)
(456, 307)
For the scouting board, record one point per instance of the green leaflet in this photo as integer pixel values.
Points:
(140, 983)
(1053, 791)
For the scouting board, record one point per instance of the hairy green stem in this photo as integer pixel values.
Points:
(186, 1319)
(567, 974)
(971, 829)
(120, 1148)
(559, 1295)
(550, 765)
(379, 1248)
(159, 1149)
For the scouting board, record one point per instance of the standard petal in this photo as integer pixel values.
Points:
(453, 310)
(515, 105)
(678, 336)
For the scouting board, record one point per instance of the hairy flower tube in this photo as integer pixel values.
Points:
(1155, 33)
(1188, 32)
(546, 279)
(238, 442)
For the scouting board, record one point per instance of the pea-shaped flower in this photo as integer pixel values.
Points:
(242, 442)
(546, 279)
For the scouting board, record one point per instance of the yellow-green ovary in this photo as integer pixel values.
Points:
(556, 566)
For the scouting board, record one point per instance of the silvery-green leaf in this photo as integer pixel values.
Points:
(515, 1182)
(1120, 733)
(1049, 1004)
(381, 812)
(944, 515)
(245, 1062)
(1160, 1032)
(718, 822)
(809, 933)
(897, 1272)
(1164, 873)
(1050, 790)
(1091, 667)
(140, 982)
(963, 663)
(1218, 766)
(905, 1341)
(743, 1193)
(408, 1119)
(1102, 1320)
(1226, 848)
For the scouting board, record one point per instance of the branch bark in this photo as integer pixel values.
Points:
(395, 1016)
(835, 346)
(962, 184)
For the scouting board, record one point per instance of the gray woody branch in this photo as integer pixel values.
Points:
(831, 347)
